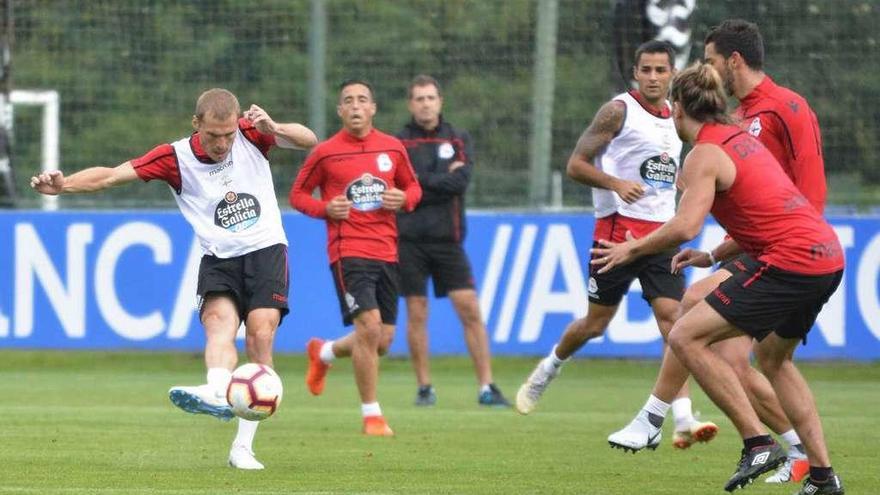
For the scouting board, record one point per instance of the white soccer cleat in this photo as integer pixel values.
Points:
(637, 435)
(530, 392)
(241, 457)
(794, 469)
(202, 399)
(699, 431)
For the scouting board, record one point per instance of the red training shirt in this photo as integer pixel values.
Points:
(361, 169)
(784, 122)
(765, 213)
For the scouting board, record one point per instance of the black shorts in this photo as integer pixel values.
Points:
(445, 262)
(255, 280)
(653, 272)
(759, 298)
(363, 284)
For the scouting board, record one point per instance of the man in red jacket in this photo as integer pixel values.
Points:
(364, 176)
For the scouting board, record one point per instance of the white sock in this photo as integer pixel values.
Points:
(552, 362)
(683, 414)
(656, 406)
(485, 388)
(245, 436)
(371, 409)
(791, 437)
(326, 354)
(219, 378)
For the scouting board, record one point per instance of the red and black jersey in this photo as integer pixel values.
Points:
(439, 217)
(784, 122)
(161, 162)
(765, 213)
(360, 169)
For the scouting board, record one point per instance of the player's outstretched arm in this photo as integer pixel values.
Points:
(89, 180)
(290, 135)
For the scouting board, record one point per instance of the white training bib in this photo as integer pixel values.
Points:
(231, 205)
(646, 150)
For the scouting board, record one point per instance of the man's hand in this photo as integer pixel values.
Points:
(628, 190)
(457, 164)
(690, 257)
(50, 183)
(612, 254)
(261, 120)
(338, 208)
(392, 199)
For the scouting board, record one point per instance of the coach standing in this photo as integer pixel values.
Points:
(431, 238)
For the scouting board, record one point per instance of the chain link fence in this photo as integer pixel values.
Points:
(128, 73)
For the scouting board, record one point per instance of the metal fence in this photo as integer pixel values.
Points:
(523, 76)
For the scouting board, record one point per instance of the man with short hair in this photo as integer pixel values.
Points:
(783, 121)
(223, 185)
(629, 154)
(792, 264)
(431, 238)
(364, 177)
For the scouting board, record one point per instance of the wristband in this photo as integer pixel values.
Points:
(712, 260)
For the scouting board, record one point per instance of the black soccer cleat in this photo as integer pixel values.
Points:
(492, 397)
(754, 463)
(832, 486)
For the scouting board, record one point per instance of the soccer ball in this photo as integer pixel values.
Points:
(254, 392)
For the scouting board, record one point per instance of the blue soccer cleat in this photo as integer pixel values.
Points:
(201, 400)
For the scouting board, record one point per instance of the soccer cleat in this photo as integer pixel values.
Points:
(793, 469)
(832, 486)
(241, 457)
(699, 431)
(637, 435)
(754, 463)
(492, 397)
(317, 369)
(426, 396)
(202, 399)
(531, 391)
(375, 426)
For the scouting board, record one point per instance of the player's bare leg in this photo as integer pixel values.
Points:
(260, 328)
(670, 390)
(367, 340)
(576, 334)
(477, 339)
(221, 321)
(690, 340)
(774, 355)
(417, 339)
(738, 352)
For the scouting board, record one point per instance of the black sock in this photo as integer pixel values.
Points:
(655, 420)
(821, 474)
(758, 441)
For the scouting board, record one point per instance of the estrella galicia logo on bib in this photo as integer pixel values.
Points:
(365, 192)
(237, 212)
(659, 171)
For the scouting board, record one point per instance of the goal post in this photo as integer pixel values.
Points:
(51, 128)
(7, 182)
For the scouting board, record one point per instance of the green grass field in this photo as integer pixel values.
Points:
(101, 423)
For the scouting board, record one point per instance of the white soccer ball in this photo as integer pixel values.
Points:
(254, 392)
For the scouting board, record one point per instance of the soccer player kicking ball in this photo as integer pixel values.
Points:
(793, 263)
(223, 185)
(364, 177)
(630, 154)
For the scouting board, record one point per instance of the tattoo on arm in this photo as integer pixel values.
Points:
(606, 123)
